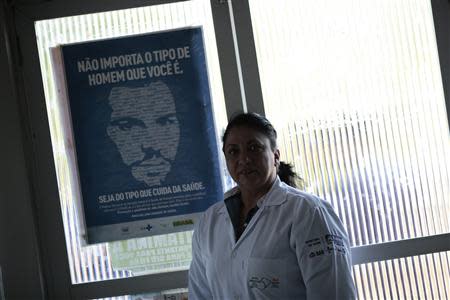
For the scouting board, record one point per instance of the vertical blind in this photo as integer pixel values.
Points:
(93, 263)
(354, 89)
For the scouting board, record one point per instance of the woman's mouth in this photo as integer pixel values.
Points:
(247, 172)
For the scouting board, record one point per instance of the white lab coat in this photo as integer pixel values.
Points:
(294, 247)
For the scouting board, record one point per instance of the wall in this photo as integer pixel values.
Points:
(18, 246)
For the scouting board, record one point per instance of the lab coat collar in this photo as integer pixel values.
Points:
(275, 196)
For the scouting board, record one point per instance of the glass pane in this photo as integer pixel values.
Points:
(417, 277)
(354, 89)
(93, 263)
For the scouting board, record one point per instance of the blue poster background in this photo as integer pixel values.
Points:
(117, 203)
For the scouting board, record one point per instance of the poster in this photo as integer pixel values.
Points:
(143, 133)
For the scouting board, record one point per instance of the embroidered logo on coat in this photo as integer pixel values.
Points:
(326, 245)
(262, 283)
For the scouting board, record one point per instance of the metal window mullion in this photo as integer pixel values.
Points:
(401, 248)
(227, 57)
(153, 283)
(441, 16)
(247, 55)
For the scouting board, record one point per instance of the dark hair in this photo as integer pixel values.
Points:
(254, 121)
(289, 176)
(262, 124)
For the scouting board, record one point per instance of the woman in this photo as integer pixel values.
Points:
(267, 240)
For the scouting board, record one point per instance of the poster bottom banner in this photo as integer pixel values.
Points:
(142, 228)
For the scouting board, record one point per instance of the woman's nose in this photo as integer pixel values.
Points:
(244, 158)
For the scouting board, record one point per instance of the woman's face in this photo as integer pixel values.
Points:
(250, 160)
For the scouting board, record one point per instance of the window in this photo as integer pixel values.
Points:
(355, 90)
(417, 277)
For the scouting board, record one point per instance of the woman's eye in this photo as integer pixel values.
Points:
(231, 153)
(255, 148)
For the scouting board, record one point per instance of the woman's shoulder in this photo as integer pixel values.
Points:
(215, 209)
(218, 208)
(231, 192)
(209, 218)
(307, 208)
(303, 199)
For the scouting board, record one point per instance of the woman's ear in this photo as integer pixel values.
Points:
(276, 155)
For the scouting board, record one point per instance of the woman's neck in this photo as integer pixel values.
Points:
(250, 197)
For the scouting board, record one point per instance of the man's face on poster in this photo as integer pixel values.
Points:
(145, 129)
